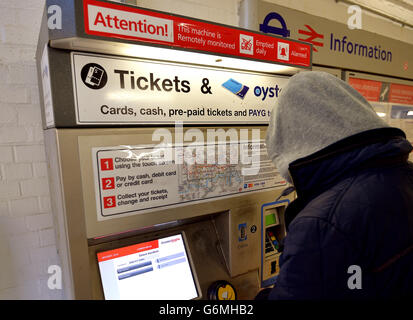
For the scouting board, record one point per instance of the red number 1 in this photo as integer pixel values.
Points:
(106, 164)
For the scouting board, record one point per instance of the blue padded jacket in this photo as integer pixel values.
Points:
(350, 230)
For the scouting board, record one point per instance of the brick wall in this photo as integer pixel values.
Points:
(27, 239)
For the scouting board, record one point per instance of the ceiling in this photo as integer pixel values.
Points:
(397, 10)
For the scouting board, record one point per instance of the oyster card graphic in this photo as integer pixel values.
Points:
(236, 88)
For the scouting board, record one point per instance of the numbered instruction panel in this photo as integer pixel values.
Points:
(137, 179)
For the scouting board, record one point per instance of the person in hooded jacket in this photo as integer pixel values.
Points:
(350, 229)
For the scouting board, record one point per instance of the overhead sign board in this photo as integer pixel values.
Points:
(114, 90)
(335, 45)
(117, 21)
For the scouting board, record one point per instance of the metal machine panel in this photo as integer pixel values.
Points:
(234, 219)
(273, 231)
(86, 140)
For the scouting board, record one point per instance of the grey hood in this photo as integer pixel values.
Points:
(315, 110)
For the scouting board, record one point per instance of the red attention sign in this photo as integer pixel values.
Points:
(117, 21)
(125, 251)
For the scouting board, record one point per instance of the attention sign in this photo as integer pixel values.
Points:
(136, 24)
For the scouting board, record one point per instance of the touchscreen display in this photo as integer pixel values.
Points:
(156, 270)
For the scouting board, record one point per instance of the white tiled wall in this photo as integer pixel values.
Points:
(27, 239)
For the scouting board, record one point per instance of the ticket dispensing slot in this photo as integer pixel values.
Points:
(273, 232)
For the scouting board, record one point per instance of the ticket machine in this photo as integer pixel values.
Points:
(154, 128)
